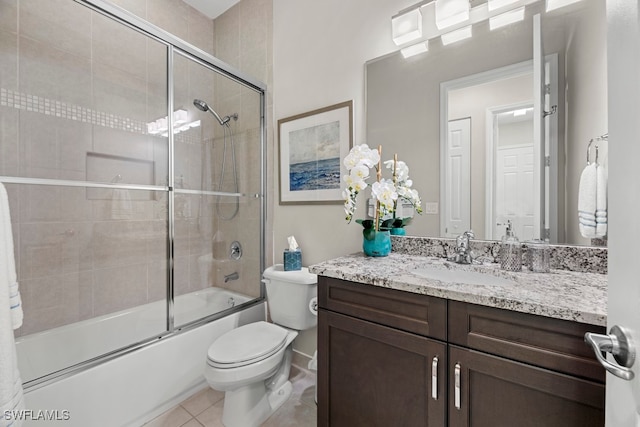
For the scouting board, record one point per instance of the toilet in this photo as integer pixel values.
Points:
(251, 364)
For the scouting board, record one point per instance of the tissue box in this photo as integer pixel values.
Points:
(292, 260)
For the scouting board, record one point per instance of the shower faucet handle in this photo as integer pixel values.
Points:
(235, 252)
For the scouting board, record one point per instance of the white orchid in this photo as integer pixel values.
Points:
(387, 192)
(355, 183)
(361, 155)
(402, 170)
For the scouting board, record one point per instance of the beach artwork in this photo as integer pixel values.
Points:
(312, 146)
(314, 158)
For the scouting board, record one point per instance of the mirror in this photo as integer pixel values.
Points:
(413, 104)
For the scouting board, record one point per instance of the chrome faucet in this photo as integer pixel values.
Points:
(232, 276)
(463, 255)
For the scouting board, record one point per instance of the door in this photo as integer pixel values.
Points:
(514, 180)
(373, 375)
(623, 307)
(457, 176)
(491, 391)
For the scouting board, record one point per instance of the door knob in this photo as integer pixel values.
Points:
(619, 345)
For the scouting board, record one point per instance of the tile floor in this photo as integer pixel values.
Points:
(204, 409)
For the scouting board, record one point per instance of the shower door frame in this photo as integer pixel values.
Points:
(178, 46)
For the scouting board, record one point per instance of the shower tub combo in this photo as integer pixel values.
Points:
(131, 389)
(139, 219)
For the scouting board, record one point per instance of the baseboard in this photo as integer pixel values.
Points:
(301, 360)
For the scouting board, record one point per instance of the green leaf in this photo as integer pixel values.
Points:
(405, 221)
(366, 223)
(369, 233)
(387, 224)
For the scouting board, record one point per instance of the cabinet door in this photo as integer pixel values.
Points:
(497, 392)
(372, 375)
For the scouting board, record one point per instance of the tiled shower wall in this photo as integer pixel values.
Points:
(76, 92)
(243, 38)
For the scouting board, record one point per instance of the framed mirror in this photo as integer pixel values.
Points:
(414, 105)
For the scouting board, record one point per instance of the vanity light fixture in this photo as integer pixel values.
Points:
(406, 26)
(451, 12)
(506, 18)
(520, 112)
(557, 4)
(180, 124)
(415, 49)
(497, 4)
(456, 35)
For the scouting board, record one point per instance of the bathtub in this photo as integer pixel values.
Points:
(137, 386)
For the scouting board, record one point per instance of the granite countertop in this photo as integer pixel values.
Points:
(560, 294)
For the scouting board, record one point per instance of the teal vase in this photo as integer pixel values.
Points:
(376, 243)
(398, 231)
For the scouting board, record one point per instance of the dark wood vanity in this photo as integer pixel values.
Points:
(388, 357)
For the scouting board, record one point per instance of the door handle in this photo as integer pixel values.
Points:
(619, 345)
(456, 389)
(434, 378)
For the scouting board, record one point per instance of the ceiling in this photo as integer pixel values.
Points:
(211, 8)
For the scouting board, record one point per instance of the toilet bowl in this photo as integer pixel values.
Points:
(251, 364)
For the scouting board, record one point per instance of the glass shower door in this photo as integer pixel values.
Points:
(84, 178)
(217, 169)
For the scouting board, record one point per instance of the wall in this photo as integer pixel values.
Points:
(588, 116)
(319, 51)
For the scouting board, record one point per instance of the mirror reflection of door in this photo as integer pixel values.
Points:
(497, 168)
(512, 146)
(458, 181)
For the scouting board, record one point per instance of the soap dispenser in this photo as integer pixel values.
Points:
(510, 250)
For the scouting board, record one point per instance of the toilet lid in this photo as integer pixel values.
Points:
(247, 344)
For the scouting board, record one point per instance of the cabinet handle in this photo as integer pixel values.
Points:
(456, 396)
(434, 378)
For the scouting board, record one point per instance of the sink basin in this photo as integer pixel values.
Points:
(461, 276)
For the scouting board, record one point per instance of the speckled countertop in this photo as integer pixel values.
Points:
(560, 294)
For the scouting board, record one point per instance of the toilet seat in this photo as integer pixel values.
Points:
(246, 345)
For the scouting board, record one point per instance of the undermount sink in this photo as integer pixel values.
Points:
(461, 276)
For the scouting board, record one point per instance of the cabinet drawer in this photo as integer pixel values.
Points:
(409, 312)
(541, 341)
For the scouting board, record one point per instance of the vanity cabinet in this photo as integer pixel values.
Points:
(377, 354)
(508, 368)
(394, 358)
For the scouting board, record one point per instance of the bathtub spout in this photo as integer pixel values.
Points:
(232, 276)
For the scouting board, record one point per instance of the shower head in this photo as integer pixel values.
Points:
(203, 106)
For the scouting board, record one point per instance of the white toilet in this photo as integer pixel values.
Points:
(251, 364)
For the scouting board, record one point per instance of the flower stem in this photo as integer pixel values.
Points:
(395, 182)
(378, 176)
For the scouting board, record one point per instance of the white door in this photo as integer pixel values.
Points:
(623, 396)
(457, 176)
(513, 191)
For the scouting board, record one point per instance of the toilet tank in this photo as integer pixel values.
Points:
(291, 297)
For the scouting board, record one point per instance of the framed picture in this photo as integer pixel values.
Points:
(312, 146)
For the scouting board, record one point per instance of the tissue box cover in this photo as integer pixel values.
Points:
(292, 260)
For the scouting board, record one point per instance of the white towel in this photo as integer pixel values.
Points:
(587, 201)
(601, 201)
(121, 204)
(11, 394)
